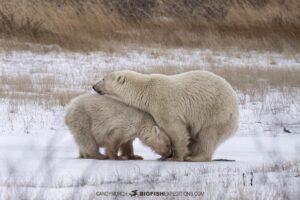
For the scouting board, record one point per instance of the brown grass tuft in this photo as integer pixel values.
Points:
(247, 80)
(49, 90)
(40, 90)
(100, 24)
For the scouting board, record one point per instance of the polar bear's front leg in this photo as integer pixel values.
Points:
(111, 148)
(179, 136)
(111, 153)
(128, 152)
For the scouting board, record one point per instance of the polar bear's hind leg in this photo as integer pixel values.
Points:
(88, 148)
(204, 145)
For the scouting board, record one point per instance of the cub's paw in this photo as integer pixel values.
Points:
(136, 157)
(133, 157)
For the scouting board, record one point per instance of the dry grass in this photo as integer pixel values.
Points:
(39, 90)
(248, 80)
(49, 90)
(100, 24)
(47, 100)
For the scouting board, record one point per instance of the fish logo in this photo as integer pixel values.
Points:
(133, 193)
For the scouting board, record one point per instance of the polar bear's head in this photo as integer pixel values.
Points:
(120, 83)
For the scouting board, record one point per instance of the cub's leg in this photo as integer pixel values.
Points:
(112, 145)
(128, 153)
(79, 124)
(88, 148)
(111, 151)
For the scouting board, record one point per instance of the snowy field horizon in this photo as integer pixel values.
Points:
(38, 155)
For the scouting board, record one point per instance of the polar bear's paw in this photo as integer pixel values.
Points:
(171, 159)
(133, 157)
(198, 158)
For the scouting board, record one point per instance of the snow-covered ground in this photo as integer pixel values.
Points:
(62, 62)
(44, 165)
(38, 155)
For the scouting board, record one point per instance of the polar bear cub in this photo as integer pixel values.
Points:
(100, 121)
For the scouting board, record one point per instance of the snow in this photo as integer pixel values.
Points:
(48, 161)
(46, 164)
(64, 62)
(38, 155)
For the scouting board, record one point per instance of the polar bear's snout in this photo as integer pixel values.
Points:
(97, 90)
(169, 154)
(166, 151)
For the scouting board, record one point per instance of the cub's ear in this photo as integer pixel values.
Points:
(155, 130)
(121, 79)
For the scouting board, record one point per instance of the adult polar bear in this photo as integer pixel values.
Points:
(197, 109)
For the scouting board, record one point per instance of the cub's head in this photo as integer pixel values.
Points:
(158, 141)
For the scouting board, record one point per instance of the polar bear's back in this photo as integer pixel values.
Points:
(104, 108)
(202, 98)
(100, 114)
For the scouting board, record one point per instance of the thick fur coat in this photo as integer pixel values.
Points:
(100, 121)
(197, 109)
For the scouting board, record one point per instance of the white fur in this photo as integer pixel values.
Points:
(197, 109)
(100, 121)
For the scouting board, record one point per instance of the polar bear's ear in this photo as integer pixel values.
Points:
(156, 130)
(121, 79)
